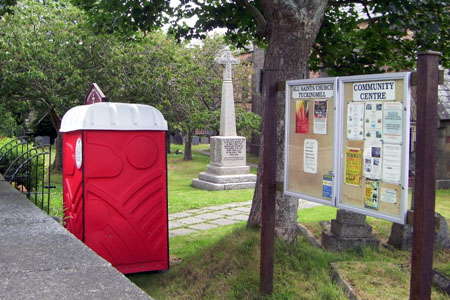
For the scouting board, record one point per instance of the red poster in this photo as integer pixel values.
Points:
(302, 116)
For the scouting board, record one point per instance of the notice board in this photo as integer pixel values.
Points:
(375, 145)
(310, 139)
(347, 143)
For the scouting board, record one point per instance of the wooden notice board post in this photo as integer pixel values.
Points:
(425, 180)
(270, 88)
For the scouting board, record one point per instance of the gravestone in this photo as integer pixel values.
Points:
(348, 231)
(42, 140)
(195, 140)
(228, 169)
(204, 140)
(178, 139)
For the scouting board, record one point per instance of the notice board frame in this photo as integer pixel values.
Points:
(290, 147)
(401, 188)
(339, 111)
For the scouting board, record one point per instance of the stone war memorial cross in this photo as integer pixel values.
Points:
(228, 169)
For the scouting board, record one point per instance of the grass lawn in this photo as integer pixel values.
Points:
(182, 196)
(223, 263)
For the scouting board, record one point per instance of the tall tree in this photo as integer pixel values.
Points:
(289, 29)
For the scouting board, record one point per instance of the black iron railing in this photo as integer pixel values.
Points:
(27, 168)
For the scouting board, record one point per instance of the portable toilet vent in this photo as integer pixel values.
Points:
(115, 183)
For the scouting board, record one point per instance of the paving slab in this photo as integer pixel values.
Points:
(175, 224)
(197, 211)
(223, 222)
(229, 212)
(242, 209)
(211, 216)
(179, 215)
(181, 231)
(239, 217)
(203, 226)
(190, 220)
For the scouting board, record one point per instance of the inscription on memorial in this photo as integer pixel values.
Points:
(233, 149)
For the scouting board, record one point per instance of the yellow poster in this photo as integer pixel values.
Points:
(353, 165)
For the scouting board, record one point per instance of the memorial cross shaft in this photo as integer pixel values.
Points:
(227, 114)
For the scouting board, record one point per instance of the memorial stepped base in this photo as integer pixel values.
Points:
(225, 178)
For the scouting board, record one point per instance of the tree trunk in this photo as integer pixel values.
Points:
(58, 163)
(291, 30)
(188, 146)
(167, 141)
(56, 121)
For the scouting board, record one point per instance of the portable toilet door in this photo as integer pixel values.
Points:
(115, 183)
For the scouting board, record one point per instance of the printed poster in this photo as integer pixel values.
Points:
(372, 159)
(373, 121)
(302, 116)
(392, 162)
(355, 121)
(388, 196)
(353, 165)
(327, 186)
(320, 116)
(371, 194)
(310, 156)
(392, 122)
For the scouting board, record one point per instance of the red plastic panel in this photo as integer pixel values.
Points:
(72, 186)
(126, 198)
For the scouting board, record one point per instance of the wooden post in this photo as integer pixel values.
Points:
(270, 88)
(425, 181)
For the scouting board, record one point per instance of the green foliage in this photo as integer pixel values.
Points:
(6, 6)
(8, 125)
(385, 36)
(356, 37)
(129, 16)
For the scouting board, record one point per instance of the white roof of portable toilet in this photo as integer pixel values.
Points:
(113, 116)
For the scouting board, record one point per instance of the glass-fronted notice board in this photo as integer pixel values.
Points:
(310, 139)
(347, 143)
(375, 145)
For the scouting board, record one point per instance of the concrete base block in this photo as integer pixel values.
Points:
(216, 170)
(210, 186)
(351, 231)
(402, 235)
(205, 185)
(351, 218)
(332, 242)
(227, 178)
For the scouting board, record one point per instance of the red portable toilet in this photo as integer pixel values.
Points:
(115, 183)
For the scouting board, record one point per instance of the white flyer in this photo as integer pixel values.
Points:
(310, 156)
(373, 121)
(392, 162)
(320, 116)
(355, 121)
(372, 159)
(392, 122)
(388, 195)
